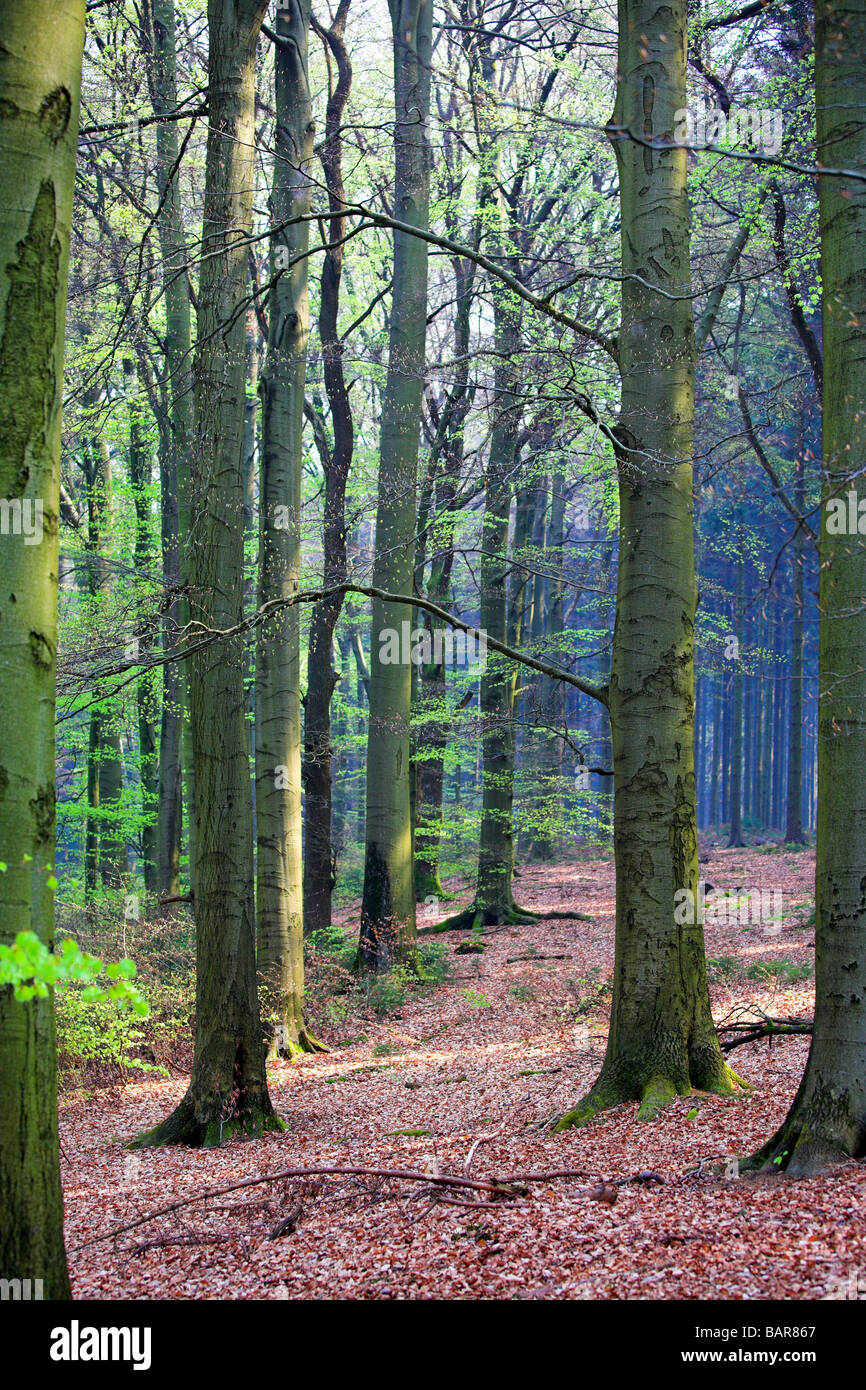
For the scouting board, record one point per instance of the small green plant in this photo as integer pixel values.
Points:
(336, 1011)
(433, 961)
(95, 1032)
(784, 971)
(387, 993)
(336, 944)
(475, 999)
(522, 992)
(588, 991)
(722, 967)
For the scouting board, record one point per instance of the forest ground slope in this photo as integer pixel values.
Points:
(473, 1067)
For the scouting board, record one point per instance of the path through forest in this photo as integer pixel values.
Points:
(472, 1067)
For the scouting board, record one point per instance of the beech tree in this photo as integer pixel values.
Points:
(662, 1038)
(388, 908)
(336, 459)
(175, 430)
(278, 651)
(41, 44)
(228, 1091)
(827, 1119)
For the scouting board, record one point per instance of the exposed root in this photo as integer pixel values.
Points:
(300, 1046)
(184, 1126)
(729, 1084)
(601, 1097)
(476, 917)
(799, 1151)
(658, 1093)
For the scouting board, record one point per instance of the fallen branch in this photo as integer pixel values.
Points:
(764, 1028)
(512, 960)
(403, 1175)
(162, 1241)
(507, 1188)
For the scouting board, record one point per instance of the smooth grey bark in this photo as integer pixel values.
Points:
(662, 1040)
(320, 836)
(228, 1092)
(176, 434)
(388, 906)
(735, 837)
(827, 1119)
(278, 654)
(41, 44)
(794, 795)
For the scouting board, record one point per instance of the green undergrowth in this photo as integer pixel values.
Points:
(337, 995)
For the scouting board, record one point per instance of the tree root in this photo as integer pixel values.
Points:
(300, 1045)
(655, 1095)
(476, 918)
(800, 1150)
(184, 1126)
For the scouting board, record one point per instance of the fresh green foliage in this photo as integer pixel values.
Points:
(783, 971)
(722, 967)
(32, 970)
(475, 999)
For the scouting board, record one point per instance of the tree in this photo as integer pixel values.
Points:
(388, 908)
(278, 649)
(662, 1040)
(794, 798)
(336, 462)
(41, 43)
(175, 424)
(827, 1119)
(228, 1092)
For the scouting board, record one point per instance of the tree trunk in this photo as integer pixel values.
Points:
(827, 1120)
(227, 1093)
(546, 844)
(105, 853)
(662, 1040)
(713, 815)
(794, 811)
(493, 903)
(735, 838)
(147, 686)
(319, 851)
(444, 469)
(175, 749)
(388, 907)
(278, 650)
(41, 43)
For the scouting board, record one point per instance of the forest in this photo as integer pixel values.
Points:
(433, 655)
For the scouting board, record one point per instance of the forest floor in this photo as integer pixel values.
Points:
(472, 1067)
